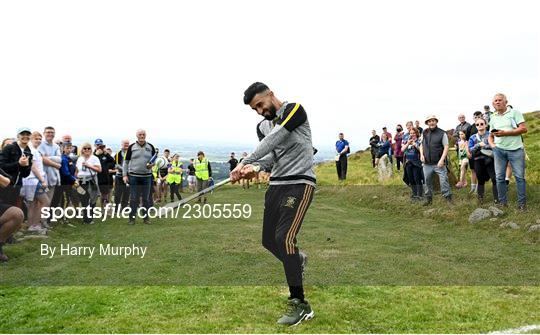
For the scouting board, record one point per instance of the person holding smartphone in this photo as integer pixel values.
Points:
(16, 161)
(507, 125)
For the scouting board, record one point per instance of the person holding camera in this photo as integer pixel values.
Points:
(412, 164)
(506, 127)
(88, 166)
(16, 161)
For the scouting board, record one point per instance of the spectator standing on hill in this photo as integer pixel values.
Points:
(203, 172)
(67, 176)
(192, 180)
(137, 172)
(16, 160)
(412, 165)
(162, 183)
(420, 129)
(74, 149)
(88, 166)
(233, 162)
(342, 149)
(107, 167)
(482, 154)
(244, 182)
(389, 137)
(462, 153)
(398, 140)
(174, 176)
(6, 141)
(462, 126)
(507, 125)
(407, 132)
(52, 157)
(374, 146)
(121, 189)
(34, 187)
(384, 144)
(487, 114)
(433, 153)
(470, 132)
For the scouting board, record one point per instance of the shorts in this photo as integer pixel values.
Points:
(4, 208)
(471, 163)
(191, 180)
(379, 155)
(29, 188)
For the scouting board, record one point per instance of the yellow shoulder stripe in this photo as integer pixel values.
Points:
(296, 106)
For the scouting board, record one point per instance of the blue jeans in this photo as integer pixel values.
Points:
(429, 170)
(139, 187)
(517, 162)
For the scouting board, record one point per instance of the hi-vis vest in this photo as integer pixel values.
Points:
(175, 176)
(155, 171)
(201, 169)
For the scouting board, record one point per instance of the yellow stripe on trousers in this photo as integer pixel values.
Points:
(302, 208)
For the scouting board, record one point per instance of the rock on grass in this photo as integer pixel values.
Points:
(479, 214)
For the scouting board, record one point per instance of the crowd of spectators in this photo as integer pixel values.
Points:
(40, 170)
(491, 148)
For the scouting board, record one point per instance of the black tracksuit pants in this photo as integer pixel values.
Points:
(341, 167)
(284, 209)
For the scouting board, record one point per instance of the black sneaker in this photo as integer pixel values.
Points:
(131, 222)
(298, 312)
(303, 264)
(522, 208)
(428, 202)
(147, 221)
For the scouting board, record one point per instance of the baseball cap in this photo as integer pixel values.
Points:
(23, 130)
(98, 141)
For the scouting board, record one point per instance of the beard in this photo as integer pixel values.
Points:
(270, 113)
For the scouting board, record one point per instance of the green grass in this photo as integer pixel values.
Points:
(377, 264)
(366, 273)
(339, 309)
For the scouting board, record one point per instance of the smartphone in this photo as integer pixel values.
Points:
(494, 130)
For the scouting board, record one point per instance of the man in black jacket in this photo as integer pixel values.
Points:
(374, 145)
(107, 166)
(433, 153)
(16, 161)
(11, 217)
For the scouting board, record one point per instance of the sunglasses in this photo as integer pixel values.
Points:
(87, 148)
(480, 124)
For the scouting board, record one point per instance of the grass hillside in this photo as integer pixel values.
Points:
(378, 264)
(360, 171)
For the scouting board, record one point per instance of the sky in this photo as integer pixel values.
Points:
(103, 69)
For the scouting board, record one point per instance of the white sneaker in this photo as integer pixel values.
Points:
(37, 230)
